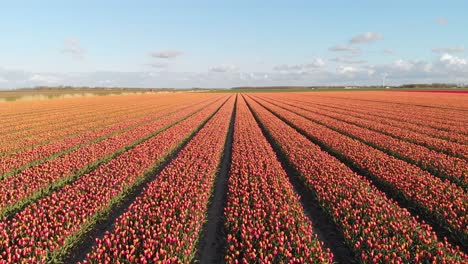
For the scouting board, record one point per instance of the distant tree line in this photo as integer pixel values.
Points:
(432, 85)
(404, 86)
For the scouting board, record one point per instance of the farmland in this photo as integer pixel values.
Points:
(236, 177)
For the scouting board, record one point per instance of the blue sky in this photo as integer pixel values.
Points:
(231, 43)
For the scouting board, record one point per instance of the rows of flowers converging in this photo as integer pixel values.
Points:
(392, 120)
(439, 104)
(430, 131)
(55, 129)
(19, 159)
(25, 118)
(264, 219)
(52, 123)
(435, 118)
(452, 148)
(20, 186)
(28, 117)
(101, 131)
(452, 168)
(375, 227)
(44, 227)
(35, 114)
(164, 222)
(435, 198)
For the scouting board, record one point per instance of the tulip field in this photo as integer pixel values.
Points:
(254, 177)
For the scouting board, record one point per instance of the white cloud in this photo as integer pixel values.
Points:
(449, 49)
(316, 63)
(106, 82)
(348, 70)
(411, 71)
(252, 76)
(442, 21)
(223, 68)
(445, 68)
(403, 65)
(72, 46)
(44, 79)
(389, 51)
(158, 65)
(166, 54)
(345, 48)
(453, 60)
(347, 60)
(366, 37)
(286, 67)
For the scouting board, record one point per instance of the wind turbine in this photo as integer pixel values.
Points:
(384, 77)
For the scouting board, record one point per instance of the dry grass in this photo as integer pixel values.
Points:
(40, 95)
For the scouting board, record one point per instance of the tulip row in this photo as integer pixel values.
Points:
(444, 120)
(14, 163)
(68, 115)
(45, 230)
(440, 200)
(27, 117)
(22, 188)
(439, 164)
(24, 117)
(445, 103)
(451, 148)
(401, 110)
(408, 123)
(54, 131)
(264, 219)
(375, 227)
(53, 128)
(41, 124)
(441, 145)
(20, 158)
(164, 222)
(57, 130)
(367, 113)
